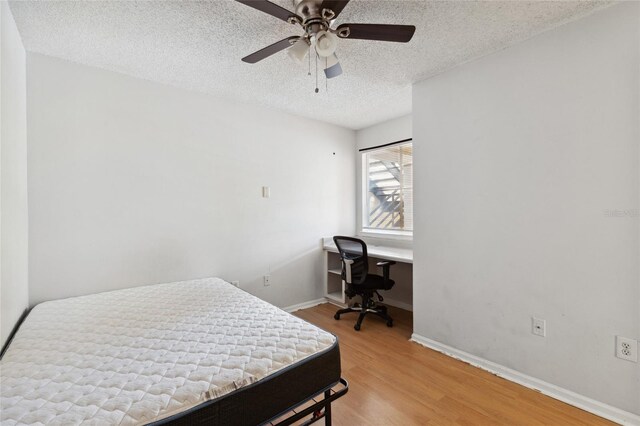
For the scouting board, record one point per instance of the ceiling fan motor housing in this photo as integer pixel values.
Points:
(315, 19)
(308, 8)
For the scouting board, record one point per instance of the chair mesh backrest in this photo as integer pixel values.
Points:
(356, 250)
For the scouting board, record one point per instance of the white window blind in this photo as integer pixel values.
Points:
(388, 180)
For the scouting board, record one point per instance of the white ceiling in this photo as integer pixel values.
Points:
(198, 46)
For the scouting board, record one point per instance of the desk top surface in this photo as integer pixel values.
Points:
(381, 252)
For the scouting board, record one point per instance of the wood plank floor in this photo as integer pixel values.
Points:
(393, 381)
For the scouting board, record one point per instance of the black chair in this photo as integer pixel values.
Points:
(355, 273)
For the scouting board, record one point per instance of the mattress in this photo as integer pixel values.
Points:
(190, 350)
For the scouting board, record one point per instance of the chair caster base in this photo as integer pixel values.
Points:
(363, 310)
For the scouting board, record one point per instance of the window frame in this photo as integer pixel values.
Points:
(395, 234)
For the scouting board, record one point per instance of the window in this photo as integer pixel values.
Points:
(387, 204)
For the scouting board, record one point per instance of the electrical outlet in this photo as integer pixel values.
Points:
(627, 348)
(538, 326)
(267, 280)
(236, 283)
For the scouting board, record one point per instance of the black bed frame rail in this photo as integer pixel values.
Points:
(321, 409)
(14, 331)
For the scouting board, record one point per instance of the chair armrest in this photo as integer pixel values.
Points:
(347, 270)
(386, 264)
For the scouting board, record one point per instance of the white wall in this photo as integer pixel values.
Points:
(133, 182)
(386, 132)
(382, 133)
(518, 156)
(13, 176)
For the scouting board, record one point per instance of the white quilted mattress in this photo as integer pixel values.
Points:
(142, 354)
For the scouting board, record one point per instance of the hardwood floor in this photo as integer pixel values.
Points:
(393, 381)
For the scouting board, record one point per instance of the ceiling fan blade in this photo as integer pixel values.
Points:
(334, 5)
(270, 50)
(381, 32)
(271, 9)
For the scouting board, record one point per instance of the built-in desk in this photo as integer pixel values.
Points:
(333, 283)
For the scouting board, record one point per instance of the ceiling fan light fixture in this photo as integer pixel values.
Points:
(330, 61)
(332, 67)
(326, 43)
(299, 50)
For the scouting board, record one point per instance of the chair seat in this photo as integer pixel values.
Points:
(375, 282)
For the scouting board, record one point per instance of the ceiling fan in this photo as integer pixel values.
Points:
(316, 17)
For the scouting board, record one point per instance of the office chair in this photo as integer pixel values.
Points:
(355, 273)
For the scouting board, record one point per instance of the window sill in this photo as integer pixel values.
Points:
(387, 235)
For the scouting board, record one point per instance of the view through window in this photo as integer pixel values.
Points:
(388, 178)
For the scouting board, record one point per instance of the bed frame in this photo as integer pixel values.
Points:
(320, 409)
(14, 330)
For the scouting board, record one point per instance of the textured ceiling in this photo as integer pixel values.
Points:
(198, 46)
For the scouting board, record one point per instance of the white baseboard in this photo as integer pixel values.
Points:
(397, 304)
(591, 405)
(304, 305)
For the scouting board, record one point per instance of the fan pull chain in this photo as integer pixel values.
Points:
(309, 73)
(317, 90)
